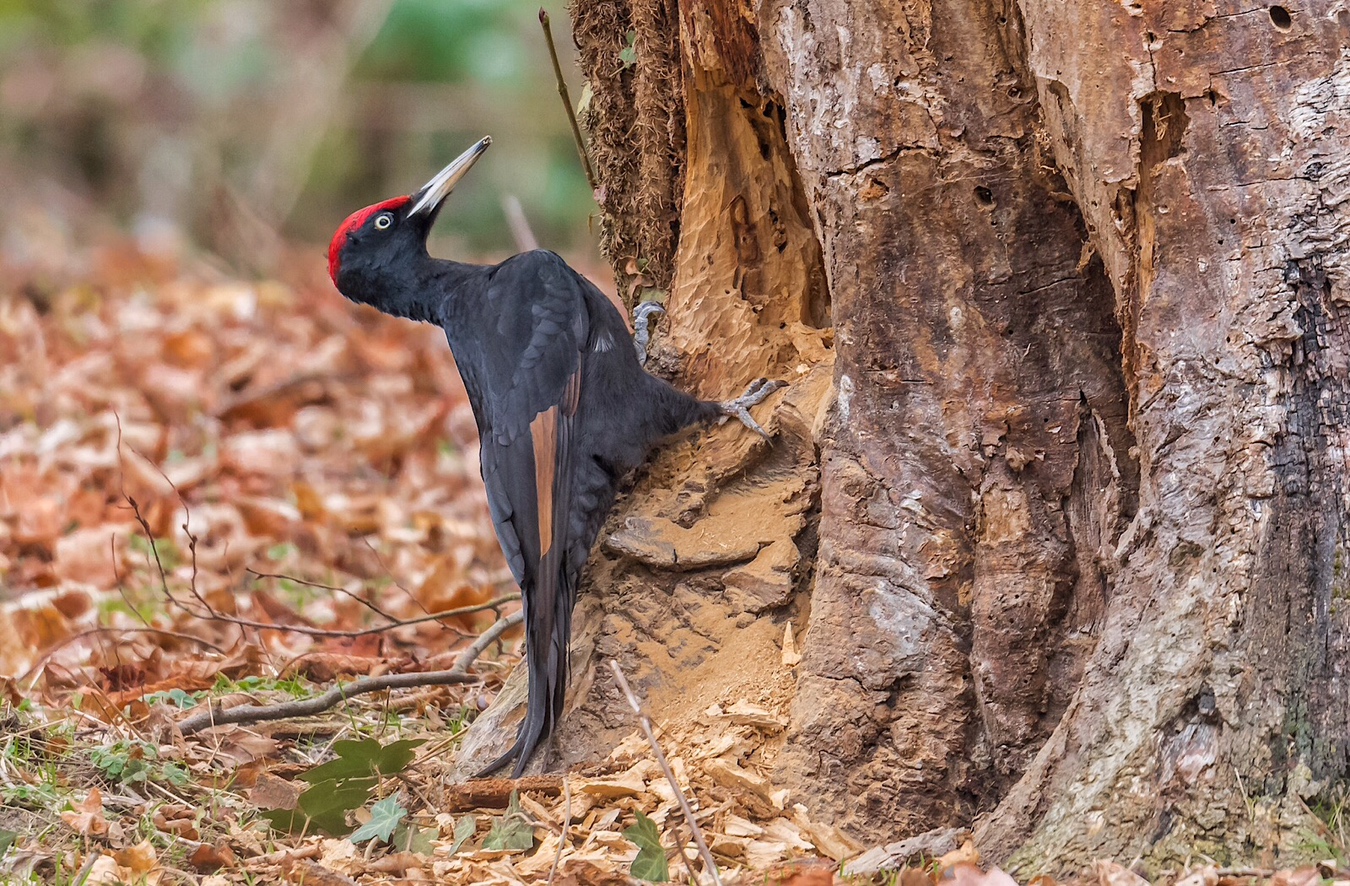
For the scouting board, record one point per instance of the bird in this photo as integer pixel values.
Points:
(562, 401)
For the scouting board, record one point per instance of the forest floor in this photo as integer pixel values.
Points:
(247, 494)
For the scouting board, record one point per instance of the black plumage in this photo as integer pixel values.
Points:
(563, 405)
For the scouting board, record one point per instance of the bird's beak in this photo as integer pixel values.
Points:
(428, 200)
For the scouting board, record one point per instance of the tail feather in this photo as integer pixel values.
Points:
(548, 635)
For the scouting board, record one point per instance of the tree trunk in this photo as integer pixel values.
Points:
(1057, 510)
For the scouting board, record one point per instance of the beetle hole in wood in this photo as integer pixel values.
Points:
(984, 196)
(1280, 18)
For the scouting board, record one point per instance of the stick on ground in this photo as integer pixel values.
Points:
(216, 716)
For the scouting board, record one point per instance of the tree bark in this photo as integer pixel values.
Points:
(1058, 503)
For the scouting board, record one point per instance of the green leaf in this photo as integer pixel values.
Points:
(384, 818)
(328, 802)
(365, 758)
(324, 806)
(650, 864)
(628, 55)
(410, 838)
(465, 828)
(343, 785)
(513, 830)
(176, 697)
(7, 839)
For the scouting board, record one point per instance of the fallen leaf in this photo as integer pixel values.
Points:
(104, 872)
(650, 863)
(970, 875)
(1108, 873)
(87, 817)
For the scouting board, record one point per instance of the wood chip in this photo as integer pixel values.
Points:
(895, 856)
(494, 793)
(791, 657)
(732, 775)
(742, 713)
(735, 826)
(629, 784)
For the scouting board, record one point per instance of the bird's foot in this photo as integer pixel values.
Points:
(642, 318)
(740, 407)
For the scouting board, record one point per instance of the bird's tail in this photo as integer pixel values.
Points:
(548, 635)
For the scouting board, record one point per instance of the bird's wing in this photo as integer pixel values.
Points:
(533, 388)
(530, 380)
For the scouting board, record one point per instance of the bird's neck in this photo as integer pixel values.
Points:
(422, 290)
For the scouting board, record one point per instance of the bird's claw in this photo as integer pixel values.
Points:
(740, 407)
(642, 330)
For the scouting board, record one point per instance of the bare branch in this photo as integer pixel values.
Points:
(217, 716)
(318, 585)
(567, 102)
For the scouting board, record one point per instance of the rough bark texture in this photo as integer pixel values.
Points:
(1063, 290)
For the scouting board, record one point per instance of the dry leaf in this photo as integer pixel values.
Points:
(966, 854)
(1108, 873)
(87, 817)
(1306, 876)
(140, 862)
(1204, 876)
(105, 872)
(971, 875)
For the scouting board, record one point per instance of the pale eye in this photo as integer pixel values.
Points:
(383, 220)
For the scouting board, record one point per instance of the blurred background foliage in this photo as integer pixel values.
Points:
(239, 125)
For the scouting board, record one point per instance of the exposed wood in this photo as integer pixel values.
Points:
(1215, 185)
(1063, 295)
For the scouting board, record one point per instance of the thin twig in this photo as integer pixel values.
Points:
(83, 875)
(519, 224)
(488, 637)
(308, 631)
(562, 840)
(216, 716)
(567, 101)
(646, 723)
(318, 585)
(213, 614)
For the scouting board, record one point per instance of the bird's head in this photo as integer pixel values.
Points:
(377, 239)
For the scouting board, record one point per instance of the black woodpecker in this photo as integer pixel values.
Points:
(563, 405)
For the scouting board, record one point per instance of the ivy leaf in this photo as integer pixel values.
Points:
(465, 828)
(650, 864)
(342, 785)
(410, 838)
(513, 831)
(324, 806)
(366, 758)
(384, 818)
(628, 55)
